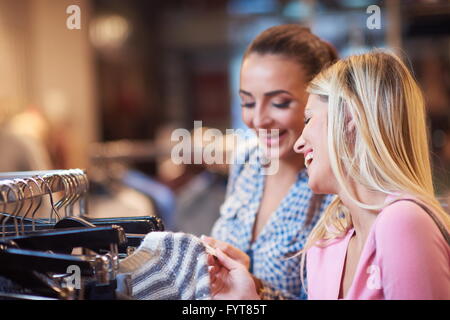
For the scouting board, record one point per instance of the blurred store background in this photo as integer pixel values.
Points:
(107, 97)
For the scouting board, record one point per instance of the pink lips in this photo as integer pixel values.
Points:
(305, 153)
(308, 157)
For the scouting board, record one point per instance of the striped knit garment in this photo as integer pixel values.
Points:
(168, 266)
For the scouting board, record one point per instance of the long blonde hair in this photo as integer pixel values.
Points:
(388, 149)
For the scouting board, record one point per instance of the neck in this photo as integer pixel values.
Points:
(362, 219)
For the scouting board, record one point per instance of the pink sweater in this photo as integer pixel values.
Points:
(405, 257)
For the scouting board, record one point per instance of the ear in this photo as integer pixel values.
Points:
(351, 126)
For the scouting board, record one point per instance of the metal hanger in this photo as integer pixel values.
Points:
(22, 184)
(33, 222)
(53, 209)
(10, 185)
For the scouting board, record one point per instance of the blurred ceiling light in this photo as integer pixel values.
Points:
(109, 31)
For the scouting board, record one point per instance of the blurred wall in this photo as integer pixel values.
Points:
(45, 64)
(14, 86)
(62, 73)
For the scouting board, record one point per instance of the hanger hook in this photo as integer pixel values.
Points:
(5, 200)
(53, 209)
(21, 200)
(72, 181)
(4, 194)
(33, 223)
(22, 184)
(78, 176)
(62, 202)
(84, 192)
(11, 184)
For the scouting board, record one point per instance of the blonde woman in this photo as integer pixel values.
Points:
(384, 236)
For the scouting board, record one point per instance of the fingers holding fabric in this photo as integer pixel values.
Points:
(228, 249)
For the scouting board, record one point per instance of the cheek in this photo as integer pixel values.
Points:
(323, 134)
(324, 181)
(291, 120)
(321, 178)
(322, 138)
(317, 139)
(247, 117)
(296, 123)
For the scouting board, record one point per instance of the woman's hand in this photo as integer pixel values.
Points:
(232, 252)
(230, 279)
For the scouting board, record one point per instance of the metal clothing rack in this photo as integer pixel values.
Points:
(28, 185)
(41, 252)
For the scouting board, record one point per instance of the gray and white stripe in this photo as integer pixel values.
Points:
(168, 266)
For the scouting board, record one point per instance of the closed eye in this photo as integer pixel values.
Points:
(307, 120)
(248, 105)
(282, 105)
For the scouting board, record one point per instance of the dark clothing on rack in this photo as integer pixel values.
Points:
(9, 286)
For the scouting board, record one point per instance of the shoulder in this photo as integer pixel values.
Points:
(405, 222)
(406, 241)
(403, 214)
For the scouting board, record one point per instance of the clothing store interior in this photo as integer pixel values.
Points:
(93, 97)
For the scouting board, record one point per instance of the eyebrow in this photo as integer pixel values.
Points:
(267, 94)
(245, 93)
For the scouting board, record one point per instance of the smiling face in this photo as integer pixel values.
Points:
(273, 96)
(313, 143)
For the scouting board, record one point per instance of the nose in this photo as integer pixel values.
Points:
(261, 118)
(299, 145)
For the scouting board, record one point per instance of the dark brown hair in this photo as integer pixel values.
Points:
(297, 43)
(309, 51)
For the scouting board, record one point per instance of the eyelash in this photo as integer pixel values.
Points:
(276, 105)
(248, 105)
(282, 105)
(307, 120)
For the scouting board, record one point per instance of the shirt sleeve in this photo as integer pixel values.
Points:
(413, 255)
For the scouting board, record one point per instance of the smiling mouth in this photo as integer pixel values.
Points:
(271, 139)
(308, 159)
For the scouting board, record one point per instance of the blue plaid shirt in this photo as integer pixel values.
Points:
(284, 233)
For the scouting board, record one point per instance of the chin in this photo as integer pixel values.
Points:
(315, 188)
(319, 188)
